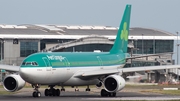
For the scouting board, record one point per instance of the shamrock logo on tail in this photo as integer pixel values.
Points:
(124, 34)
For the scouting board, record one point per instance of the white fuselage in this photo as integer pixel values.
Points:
(60, 76)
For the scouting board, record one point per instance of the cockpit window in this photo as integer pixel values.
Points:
(30, 63)
(23, 63)
(34, 63)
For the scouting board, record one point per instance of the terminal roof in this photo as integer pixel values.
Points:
(56, 31)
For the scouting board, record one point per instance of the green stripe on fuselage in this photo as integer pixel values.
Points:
(76, 59)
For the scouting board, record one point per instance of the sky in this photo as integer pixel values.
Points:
(158, 14)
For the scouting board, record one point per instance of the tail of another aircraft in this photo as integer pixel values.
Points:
(121, 42)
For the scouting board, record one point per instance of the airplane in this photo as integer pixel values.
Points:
(77, 68)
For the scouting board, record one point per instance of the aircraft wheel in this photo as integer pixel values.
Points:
(57, 92)
(88, 89)
(36, 94)
(50, 92)
(104, 93)
(46, 92)
(76, 90)
(113, 94)
(63, 89)
(53, 92)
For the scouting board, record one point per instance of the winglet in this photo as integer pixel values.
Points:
(121, 42)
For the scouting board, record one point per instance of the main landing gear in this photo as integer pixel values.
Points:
(36, 92)
(52, 91)
(104, 93)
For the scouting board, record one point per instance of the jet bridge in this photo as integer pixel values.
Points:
(93, 39)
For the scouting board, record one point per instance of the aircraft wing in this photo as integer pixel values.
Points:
(10, 68)
(148, 68)
(98, 73)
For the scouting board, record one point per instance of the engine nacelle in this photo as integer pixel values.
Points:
(114, 83)
(13, 83)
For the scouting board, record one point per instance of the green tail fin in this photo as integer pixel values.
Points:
(121, 42)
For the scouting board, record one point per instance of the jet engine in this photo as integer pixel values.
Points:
(13, 83)
(114, 83)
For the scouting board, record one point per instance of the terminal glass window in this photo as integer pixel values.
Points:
(152, 46)
(27, 48)
(164, 46)
(89, 48)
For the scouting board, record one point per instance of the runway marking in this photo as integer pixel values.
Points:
(134, 98)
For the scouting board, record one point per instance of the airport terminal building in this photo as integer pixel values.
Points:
(19, 41)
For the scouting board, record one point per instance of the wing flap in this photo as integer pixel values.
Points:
(96, 72)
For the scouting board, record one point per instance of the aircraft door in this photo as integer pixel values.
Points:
(47, 63)
(67, 65)
(119, 59)
(100, 62)
(67, 62)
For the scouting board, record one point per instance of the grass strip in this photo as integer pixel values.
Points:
(168, 92)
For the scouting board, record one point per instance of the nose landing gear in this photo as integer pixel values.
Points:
(36, 92)
(88, 89)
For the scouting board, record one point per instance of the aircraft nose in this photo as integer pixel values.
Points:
(32, 75)
(23, 73)
(29, 75)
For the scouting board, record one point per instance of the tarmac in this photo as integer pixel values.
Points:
(94, 95)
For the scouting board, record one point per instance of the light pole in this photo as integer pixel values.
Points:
(2, 41)
(142, 45)
(153, 45)
(177, 57)
(177, 49)
(136, 45)
(1, 62)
